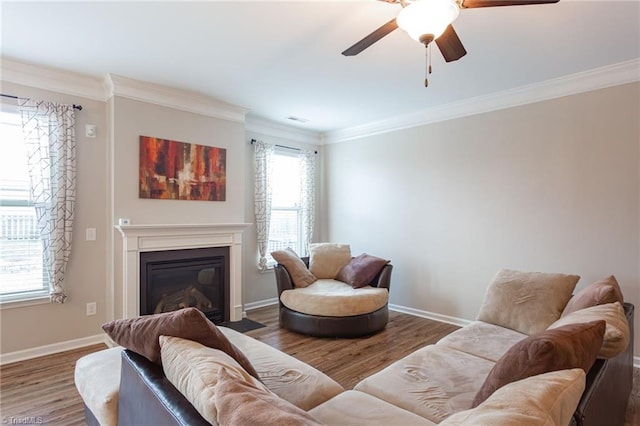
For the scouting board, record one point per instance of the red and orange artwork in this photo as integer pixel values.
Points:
(172, 170)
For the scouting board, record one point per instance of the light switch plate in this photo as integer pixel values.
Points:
(90, 234)
(90, 130)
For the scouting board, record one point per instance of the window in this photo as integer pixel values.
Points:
(22, 275)
(284, 199)
(286, 225)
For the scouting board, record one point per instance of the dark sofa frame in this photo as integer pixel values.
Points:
(324, 326)
(609, 382)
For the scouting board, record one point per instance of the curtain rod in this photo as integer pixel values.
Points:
(282, 146)
(78, 107)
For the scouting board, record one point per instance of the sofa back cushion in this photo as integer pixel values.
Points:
(601, 292)
(326, 259)
(193, 369)
(566, 347)
(244, 402)
(616, 335)
(300, 274)
(527, 302)
(544, 400)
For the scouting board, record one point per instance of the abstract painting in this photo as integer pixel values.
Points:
(172, 170)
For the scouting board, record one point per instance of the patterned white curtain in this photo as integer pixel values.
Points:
(49, 133)
(263, 164)
(308, 196)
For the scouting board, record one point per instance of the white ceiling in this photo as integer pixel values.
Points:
(282, 58)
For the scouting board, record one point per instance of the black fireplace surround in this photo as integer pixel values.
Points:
(176, 279)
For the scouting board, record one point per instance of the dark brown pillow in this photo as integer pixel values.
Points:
(239, 402)
(141, 334)
(361, 270)
(566, 347)
(601, 292)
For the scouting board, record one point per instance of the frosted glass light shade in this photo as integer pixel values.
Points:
(427, 17)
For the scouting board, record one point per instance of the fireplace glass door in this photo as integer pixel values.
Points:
(177, 279)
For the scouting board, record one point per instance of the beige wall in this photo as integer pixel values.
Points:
(86, 277)
(551, 186)
(131, 119)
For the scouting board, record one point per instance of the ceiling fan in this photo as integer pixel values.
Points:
(429, 20)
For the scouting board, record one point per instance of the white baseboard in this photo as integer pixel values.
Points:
(260, 304)
(10, 357)
(429, 315)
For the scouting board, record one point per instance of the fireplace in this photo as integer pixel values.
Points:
(177, 279)
(138, 239)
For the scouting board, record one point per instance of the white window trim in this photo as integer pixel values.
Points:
(20, 300)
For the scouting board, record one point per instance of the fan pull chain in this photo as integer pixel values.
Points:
(428, 70)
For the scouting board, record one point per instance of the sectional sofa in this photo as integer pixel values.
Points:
(523, 361)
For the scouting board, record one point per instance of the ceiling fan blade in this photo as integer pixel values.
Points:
(371, 38)
(468, 4)
(450, 45)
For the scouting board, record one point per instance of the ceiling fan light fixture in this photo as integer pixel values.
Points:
(427, 17)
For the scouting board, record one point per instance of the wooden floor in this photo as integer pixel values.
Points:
(42, 391)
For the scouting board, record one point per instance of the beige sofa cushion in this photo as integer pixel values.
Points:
(482, 339)
(353, 408)
(616, 335)
(601, 292)
(97, 378)
(284, 375)
(241, 402)
(433, 382)
(193, 369)
(335, 299)
(300, 274)
(527, 302)
(326, 259)
(546, 400)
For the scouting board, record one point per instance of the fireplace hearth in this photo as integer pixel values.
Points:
(177, 279)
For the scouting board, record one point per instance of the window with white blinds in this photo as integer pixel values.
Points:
(21, 259)
(285, 229)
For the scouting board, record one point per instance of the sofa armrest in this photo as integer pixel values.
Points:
(383, 279)
(147, 397)
(283, 279)
(609, 384)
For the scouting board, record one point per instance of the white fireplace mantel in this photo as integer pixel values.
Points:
(144, 238)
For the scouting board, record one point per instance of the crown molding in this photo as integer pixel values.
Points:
(271, 128)
(52, 79)
(586, 81)
(185, 100)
